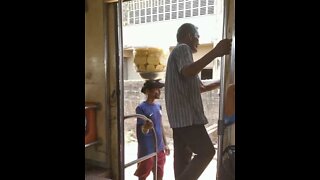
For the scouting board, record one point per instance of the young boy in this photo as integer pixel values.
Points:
(151, 110)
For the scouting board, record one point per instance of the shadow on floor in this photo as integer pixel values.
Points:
(95, 173)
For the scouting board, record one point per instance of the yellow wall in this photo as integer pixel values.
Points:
(101, 83)
(95, 74)
(113, 91)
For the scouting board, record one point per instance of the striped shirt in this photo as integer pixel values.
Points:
(182, 94)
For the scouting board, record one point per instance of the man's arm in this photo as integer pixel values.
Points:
(209, 87)
(163, 135)
(166, 147)
(222, 48)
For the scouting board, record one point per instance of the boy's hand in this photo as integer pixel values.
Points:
(167, 150)
(147, 126)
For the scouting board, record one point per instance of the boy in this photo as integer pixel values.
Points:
(151, 110)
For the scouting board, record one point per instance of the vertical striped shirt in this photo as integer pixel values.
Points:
(182, 94)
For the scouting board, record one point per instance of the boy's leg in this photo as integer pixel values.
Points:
(161, 162)
(144, 168)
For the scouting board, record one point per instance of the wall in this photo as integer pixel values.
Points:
(95, 74)
(163, 33)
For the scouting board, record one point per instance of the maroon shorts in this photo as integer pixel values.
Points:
(145, 167)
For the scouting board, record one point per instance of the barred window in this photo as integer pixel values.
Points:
(167, 8)
(160, 9)
(160, 17)
(143, 20)
(136, 13)
(181, 6)
(154, 18)
(148, 3)
(154, 3)
(210, 10)
(174, 15)
(188, 5)
(188, 13)
(142, 11)
(167, 16)
(142, 4)
(136, 20)
(203, 11)
(148, 11)
(195, 3)
(145, 11)
(195, 12)
(174, 7)
(180, 14)
(203, 3)
(154, 10)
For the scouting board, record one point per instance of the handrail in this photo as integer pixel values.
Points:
(90, 144)
(212, 128)
(155, 162)
(89, 105)
(140, 159)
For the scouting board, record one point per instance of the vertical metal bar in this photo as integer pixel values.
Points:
(222, 93)
(106, 83)
(121, 88)
(155, 162)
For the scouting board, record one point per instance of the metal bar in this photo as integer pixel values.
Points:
(222, 93)
(155, 161)
(137, 116)
(212, 128)
(90, 144)
(121, 89)
(140, 159)
(155, 154)
(106, 78)
(91, 106)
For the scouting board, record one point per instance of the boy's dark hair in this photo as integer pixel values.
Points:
(149, 84)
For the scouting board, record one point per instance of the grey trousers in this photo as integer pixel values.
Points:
(188, 141)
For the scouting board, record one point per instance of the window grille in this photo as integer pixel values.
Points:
(145, 11)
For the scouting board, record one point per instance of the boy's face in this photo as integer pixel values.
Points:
(154, 93)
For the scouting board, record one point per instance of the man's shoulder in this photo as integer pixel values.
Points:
(181, 46)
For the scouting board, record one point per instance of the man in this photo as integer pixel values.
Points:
(152, 110)
(184, 106)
